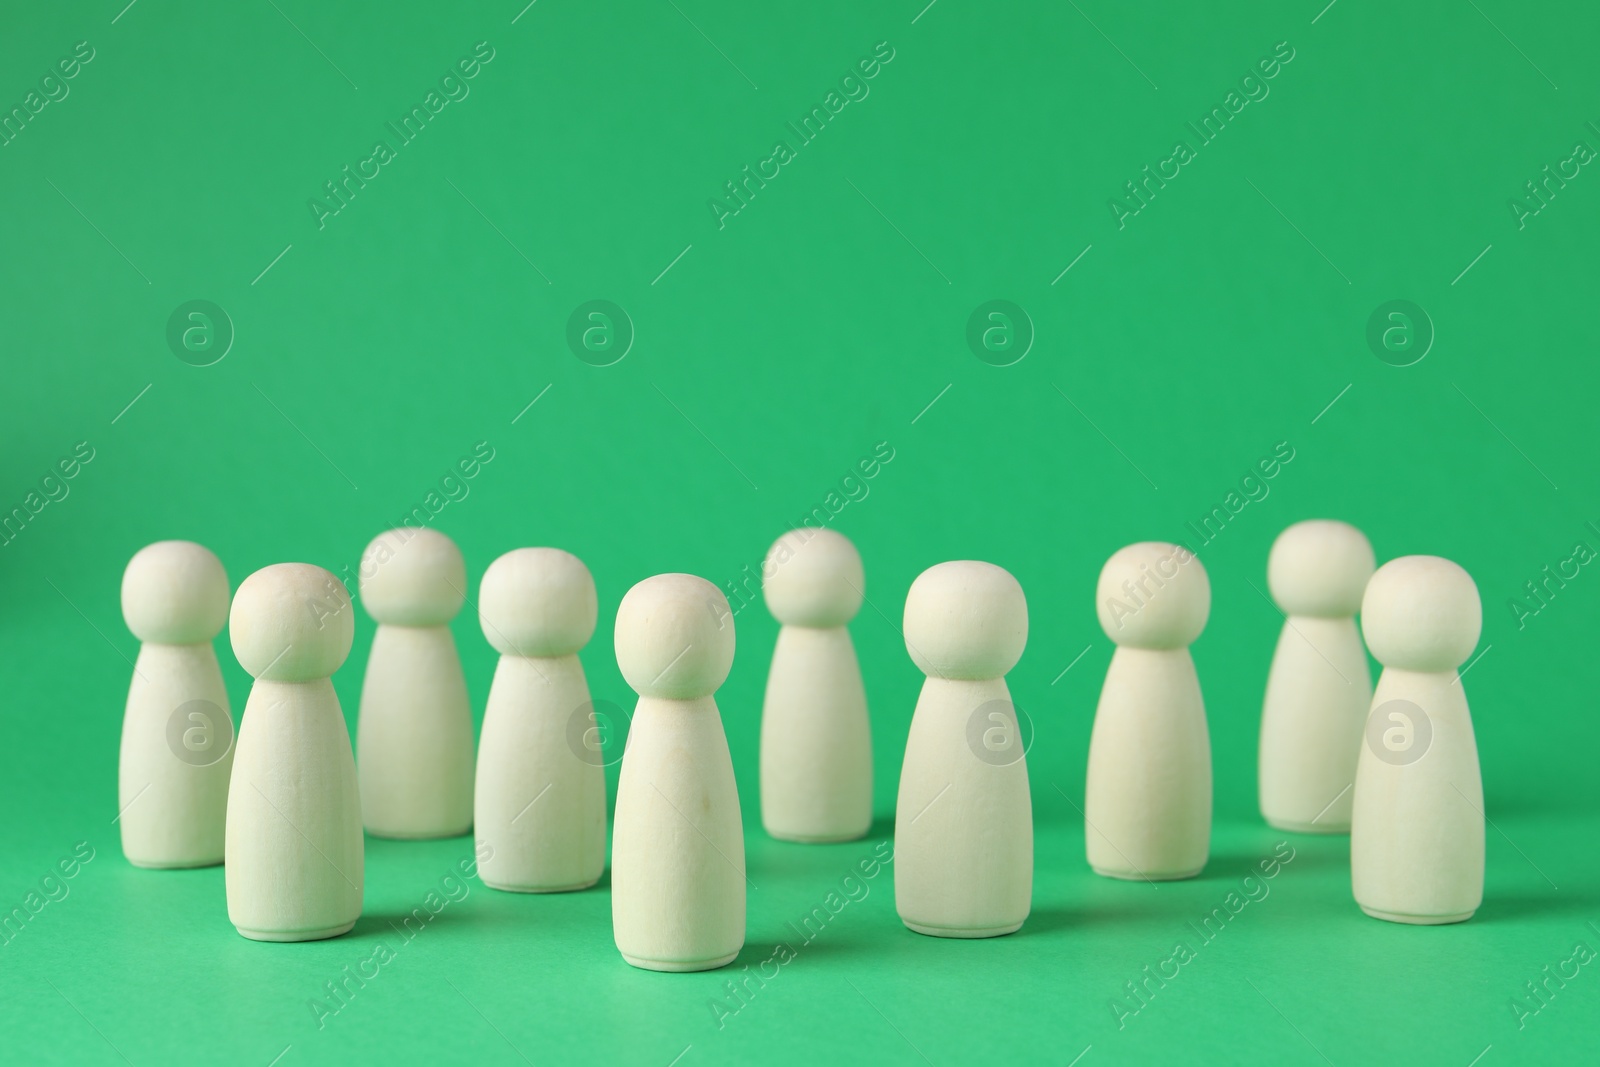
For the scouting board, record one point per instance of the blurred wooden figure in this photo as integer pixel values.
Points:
(414, 730)
(1319, 688)
(177, 732)
(816, 744)
(1147, 798)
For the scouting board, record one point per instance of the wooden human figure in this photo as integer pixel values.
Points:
(963, 819)
(1416, 832)
(1319, 688)
(1147, 798)
(294, 845)
(177, 732)
(677, 860)
(414, 731)
(816, 744)
(541, 793)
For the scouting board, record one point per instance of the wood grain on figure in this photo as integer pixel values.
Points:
(414, 729)
(963, 818)
(294, 844)
(677, 861)
(1147, 797)
(1416, 832)
(541, 793)
(1319, 687)
(177, 731)
(816, 744)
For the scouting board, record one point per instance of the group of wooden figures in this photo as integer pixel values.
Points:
(284, 804)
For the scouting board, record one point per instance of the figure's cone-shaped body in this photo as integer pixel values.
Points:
(1319, 688)
(541, 793)
(177, 733)
(294, 868)
(816, 744)
(1416, 832)
(414, 731)
(964, 819)
(677, 861)
(1147, 797)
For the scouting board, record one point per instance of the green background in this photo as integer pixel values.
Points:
(770, 357)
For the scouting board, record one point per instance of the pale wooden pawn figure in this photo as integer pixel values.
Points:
(1416, 834)
(963, 818)
(1319, 688)
(294, 844)
(541, 794)
(677, 861)
(1147, 798)
(414, 729)
(177, 732)
(816, 744)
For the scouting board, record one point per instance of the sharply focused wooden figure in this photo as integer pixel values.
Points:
(294, 869)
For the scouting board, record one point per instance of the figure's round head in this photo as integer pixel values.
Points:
(1153, 595)
(1421, 613)
(813, 577)
(291, 622)
(413, 577)
(1320, 568)
(538, 602)
(674, 637)
(966, 620)
(175, 593)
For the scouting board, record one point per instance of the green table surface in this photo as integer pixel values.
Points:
(1156, 346)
